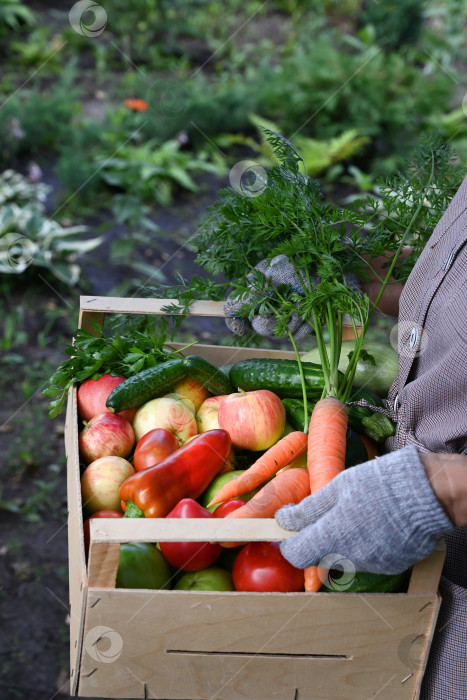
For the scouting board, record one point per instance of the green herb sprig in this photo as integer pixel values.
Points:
(94, 355)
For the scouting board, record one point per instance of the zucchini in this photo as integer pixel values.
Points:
(295, 413)
(146, 385)
(367, 583)
(282, 377)
(211, 377)
(376, 373)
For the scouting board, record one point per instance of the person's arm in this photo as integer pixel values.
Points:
(391, 529)
(447, 474)
(389, 302)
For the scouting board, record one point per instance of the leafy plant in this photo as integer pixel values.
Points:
(93, 355)
(154, 171)
(395, 23)
(289, 218)
(14, 14)
(28, 237)
(318, 156)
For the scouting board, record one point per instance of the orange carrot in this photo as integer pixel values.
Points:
(291, 486)
(326, 457)
(279, 455)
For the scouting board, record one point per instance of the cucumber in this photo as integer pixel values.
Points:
(295, 412)
(376, 425)
(282, 377)
(355, 450)
(368, 583)
(146, 385)
(211, 377)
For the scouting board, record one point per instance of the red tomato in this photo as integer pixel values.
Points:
(98, 514)
(228, 507)
(190, 556)
(260, 567)
(154, 447)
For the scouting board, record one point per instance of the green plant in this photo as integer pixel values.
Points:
(153, 171)
(14, 14)
(16, 189)
(38, 118)
(318, 156)
(29, 238)
(395, 23)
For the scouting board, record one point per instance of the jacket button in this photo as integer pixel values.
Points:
(413, 337)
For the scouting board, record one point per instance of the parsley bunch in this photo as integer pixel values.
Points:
(94, 355)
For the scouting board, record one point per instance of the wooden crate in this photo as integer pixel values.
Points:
(177, 645)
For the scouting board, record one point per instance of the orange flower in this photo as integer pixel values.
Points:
(136, 105)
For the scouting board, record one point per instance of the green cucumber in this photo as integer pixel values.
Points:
(295, 412)
(146, 385)
(376, 425)
(367, 583)
(282, 377)
(355, 450)
(211, 377)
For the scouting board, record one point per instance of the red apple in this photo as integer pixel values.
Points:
(207, 414)
(169, 412)
(105, 435)
(97, 514)
(101, 481)
(193, 390)
(93, 393)
(153, 448)
(255, 420)
(229, 506)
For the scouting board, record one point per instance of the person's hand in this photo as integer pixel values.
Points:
(381, 515)
(279, 271)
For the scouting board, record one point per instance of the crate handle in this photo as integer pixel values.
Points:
(106, 535)
(94, 309)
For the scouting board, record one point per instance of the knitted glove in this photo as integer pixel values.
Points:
(280, 271)
(381, 515)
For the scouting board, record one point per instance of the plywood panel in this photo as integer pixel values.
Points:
(232, 646)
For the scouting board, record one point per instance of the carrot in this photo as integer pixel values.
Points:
(279, 455)
(326, 457)
(290, 486)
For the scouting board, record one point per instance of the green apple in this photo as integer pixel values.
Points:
(216, 484)
(211, 579)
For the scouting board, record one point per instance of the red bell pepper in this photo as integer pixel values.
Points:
(186, 473)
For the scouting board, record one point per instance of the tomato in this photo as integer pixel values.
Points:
(141, 565)
(98, 514)
(190, 556)
(260, 567)
(228, 507)
(154, 447)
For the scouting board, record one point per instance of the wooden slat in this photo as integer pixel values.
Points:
(183, 529)
(132, 305)
(253, 646)
(76, 559)
(426, 574)
(103, 564)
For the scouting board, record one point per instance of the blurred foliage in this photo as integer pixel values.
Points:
(29, 238)
(396, 22)
(13, 15)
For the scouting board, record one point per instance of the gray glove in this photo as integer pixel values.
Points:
(381, 515)
(280, 271)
